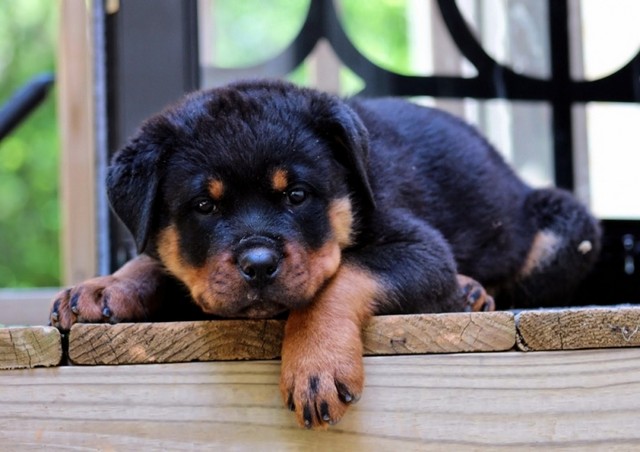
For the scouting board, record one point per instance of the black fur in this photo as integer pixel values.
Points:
(431, 198)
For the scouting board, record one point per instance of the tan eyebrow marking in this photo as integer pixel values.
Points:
(280, 180)
(216, 189)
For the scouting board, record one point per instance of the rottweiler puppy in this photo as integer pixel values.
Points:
(261, 198)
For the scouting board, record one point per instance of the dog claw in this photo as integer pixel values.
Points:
(306, 414)
(343, 393)
(73, 304)
(324, 412)
(54, 311)
(489, 305)
(475, 297)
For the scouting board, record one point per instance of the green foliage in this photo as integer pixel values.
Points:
(29, 213)
(378, 29)
(249, 32)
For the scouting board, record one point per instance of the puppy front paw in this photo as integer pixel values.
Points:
(104, 299)
(319, 389)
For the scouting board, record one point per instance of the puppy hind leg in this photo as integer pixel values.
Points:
(563, 251)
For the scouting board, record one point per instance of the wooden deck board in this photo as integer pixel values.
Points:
(96, 344)
(578, 400)
(574, 329)
(24, 347)
(261, 339)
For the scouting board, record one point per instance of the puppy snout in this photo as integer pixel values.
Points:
(259, 265)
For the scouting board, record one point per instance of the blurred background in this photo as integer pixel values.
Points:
(247, 38)
(29, 208)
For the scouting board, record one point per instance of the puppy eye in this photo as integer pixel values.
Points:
(205, 206)
(296, 196)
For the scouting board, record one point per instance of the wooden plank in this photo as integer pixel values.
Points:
(134, 343)
(440, 333)
(583, 400)
(574, 329)
(140, 343)
(29, 347)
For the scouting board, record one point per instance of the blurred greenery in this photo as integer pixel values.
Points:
(246, 34)
(378, 29)
(29, 209)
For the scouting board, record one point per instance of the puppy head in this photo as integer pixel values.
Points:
(247, 194)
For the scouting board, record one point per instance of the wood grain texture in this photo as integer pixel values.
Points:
(574, 329)
(137, 343)
(582, 400)
(26, 347)
(440, 333)
(172, 342)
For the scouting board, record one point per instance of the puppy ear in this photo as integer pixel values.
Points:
(132, 185)
(344, 127)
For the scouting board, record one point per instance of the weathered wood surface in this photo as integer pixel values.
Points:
(582, 400)
(440, 333)
(261, 339)
(573, 329)
(25, 347)
(136, 343)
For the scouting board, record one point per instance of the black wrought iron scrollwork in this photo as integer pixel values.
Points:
(493, 79)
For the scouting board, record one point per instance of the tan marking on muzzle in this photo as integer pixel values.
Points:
(341, 220)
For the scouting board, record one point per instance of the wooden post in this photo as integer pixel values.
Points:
(77, 159)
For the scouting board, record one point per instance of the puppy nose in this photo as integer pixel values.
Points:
(259, 266)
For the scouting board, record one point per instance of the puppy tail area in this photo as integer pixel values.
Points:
(563, 251)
